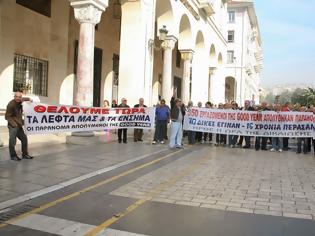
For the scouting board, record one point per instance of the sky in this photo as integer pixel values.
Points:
(288, 35)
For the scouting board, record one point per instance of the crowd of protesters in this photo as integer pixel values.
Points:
(176, 112)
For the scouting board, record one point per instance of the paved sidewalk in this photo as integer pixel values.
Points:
(57, 163)
(267, 183)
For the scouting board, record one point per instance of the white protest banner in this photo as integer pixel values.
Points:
(43, 118)
(251, 123)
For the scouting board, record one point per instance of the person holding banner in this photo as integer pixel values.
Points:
(123, 131)
(261, 142)
(138, 133)
(15, 125)
(198, 135)
(277, 142)
(302, 140)
(177, 117)
(191, 134)
(247, 107)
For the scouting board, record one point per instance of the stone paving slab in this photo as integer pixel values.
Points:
(279, 184)
(45, 170)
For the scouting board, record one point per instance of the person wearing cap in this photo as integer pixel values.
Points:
(123, 132)
(177, 117)
(138, 133)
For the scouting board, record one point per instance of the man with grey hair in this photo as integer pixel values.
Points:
(15, 125)
(138, 133)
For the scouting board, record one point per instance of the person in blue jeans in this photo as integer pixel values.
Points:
(162, 118)
(177, 117)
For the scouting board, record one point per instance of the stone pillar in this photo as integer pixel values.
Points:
(187, 56)
(168, 46)
(211, 83)
(88, 14)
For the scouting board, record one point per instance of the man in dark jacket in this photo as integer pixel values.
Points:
(138, 133)
(123, 131)
(15, 125)
(177, 117)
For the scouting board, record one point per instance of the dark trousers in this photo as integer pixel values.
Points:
(220, 138)
(247, 141)
(124, 133)
(285, 143)
(309, 144)
(240, 141)
(261, 142)
(207, 137)
(137, 135)
(305, 145)
(160, 130)
(191, 137)
(198, 136)
(17, 132)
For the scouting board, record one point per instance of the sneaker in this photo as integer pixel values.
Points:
(280, 150)
(154, 142)
(202, 142)
(16, 158)
(272, 150)
(162, 142)
(27, 157)
(179, 147)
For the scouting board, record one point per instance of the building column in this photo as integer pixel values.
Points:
(88, 14)
(187, 56)
(168, 46)
(211, 83)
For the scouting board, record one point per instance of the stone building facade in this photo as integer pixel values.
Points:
(85, 51)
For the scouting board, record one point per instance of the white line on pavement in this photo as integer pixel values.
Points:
(64, 227)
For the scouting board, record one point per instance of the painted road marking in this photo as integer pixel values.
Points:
(64, 227)
(59, 186)
(84, 190)
(149, 197)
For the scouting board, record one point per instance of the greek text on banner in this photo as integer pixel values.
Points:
(42, 118)
(251, 123)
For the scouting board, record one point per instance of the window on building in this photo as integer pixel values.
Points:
(178, 58)
(231, 36)
(30, 74)
(230, 57)
(231, 16)
(40, 6)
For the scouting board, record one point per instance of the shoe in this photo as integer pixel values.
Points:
(180, 147)
(257, 149)
(272, 150)
(140, 140)
(16, 158)
(280, 150)
(125, 142)
(162, 142)
(119, 141)
(246, 147)
(202, 142)
(154, 142)
(217, 145)
(135, 140)
(264, 149)
(27, 157)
